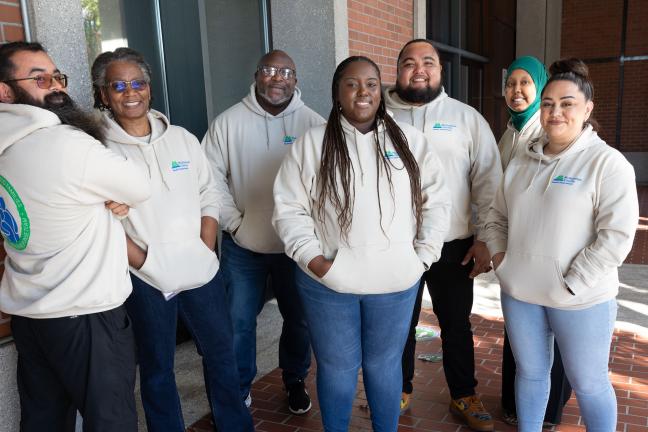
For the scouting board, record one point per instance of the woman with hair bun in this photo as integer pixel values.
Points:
(361, 207)
(561, 223)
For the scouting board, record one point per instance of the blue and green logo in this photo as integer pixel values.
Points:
(566, 180)
(443, 127)
(288, 139)
(15, 237)
(391, 154)
(179, 165)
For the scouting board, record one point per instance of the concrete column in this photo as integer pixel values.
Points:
(59, 27)
(420, 19)
(538, 26)
(316, 35)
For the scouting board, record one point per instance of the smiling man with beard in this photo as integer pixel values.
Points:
(245, 146)
(468, 152)
(66, 270)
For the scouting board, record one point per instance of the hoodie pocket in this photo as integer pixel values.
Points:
(535, 279)
(179, 266)
(256, 232)
(374, 270)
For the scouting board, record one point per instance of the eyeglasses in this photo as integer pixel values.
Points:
(270, 71)
(121, 86)
(45, 81)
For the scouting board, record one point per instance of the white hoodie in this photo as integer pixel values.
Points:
(513, 142)
(467, 150)
(245, 146)
(564, 221)
(167, 226)
(381, 255)
(66, 254)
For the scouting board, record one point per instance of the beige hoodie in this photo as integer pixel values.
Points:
(467, 150)
(245, 146)
(66, 254)
(167, 225)
(564, 221)
(513, 142)
(382, 254)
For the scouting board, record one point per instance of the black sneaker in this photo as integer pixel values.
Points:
(298, 400)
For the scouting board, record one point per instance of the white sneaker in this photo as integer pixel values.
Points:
(248, 400)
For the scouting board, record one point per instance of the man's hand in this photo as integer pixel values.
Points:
(136, 255)
(320, 266)
(479, 253)
(497, 259)
(208, 231)
(118, 209)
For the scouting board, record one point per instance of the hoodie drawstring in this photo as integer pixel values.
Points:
(551, 176)
(265, 118)
(534, 176)
(424, 116)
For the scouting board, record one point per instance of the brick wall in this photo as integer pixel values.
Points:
(378, 29)
(593, 30)
(11, 28)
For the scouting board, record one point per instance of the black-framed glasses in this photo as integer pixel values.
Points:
(270, 71)
(45, 81)
(121, 86)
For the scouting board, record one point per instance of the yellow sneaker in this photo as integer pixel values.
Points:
(471, 410)
(405, 402)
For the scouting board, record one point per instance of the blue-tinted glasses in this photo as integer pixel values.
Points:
(121, 86)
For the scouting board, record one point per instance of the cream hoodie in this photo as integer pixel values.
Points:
(167, 226)
(467, 150)
(382, 254)
(245, 146)
(66, 254)
(564, 221)
(513, 142)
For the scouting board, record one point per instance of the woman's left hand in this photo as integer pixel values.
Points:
(479, 252)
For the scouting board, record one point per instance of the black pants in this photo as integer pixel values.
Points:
(84, 363)
(560, 388)
(452, 297)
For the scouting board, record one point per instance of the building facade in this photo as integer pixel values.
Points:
(204, 54)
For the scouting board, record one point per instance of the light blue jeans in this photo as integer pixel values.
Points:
(584, 338)
(349, 331)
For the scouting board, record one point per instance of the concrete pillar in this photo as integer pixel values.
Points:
(420, 19)
(538, 26)
(59, 27)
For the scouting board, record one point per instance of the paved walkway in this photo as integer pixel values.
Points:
(429, 408)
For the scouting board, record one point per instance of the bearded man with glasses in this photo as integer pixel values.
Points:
(245, 146)
(66, 271)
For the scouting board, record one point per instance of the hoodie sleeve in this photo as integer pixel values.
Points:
(495, 231)
(616, 217)
(108, 176)
(436, 208)
(485, 171)
(208, 192)
(293, 205)
(215, 146)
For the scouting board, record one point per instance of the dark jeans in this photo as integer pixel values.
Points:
(560, 388)
(245, 274)
(452, 297)
(84, 363)
(204, 312)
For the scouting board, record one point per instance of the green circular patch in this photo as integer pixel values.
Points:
(24, 219)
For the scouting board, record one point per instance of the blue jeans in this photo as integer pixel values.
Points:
(204, 312)
(245, 274)
(349, 331)
(584, 338)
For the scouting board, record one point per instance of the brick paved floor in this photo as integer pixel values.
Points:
(429, 412)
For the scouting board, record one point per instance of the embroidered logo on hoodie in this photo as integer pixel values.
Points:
(289, 139)
(179, 165)
(566, 180)
(391, 154)
(17, 238)
(443, 127)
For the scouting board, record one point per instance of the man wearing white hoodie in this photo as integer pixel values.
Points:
(468, 151)
(245, 146)
(66, 270)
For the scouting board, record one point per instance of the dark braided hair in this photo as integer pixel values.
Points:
(336, 162)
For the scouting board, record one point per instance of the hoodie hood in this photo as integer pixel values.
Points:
(114, 132)
(18, 120)
(252, 104)
(393, 101)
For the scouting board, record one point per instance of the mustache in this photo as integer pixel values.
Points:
(70, 114)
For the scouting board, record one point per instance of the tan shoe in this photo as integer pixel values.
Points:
(405, 402)
(471, 410)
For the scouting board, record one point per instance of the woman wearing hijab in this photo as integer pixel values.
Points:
(525, 80)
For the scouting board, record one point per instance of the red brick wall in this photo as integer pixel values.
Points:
(593, 29)
(378, 29)
(11, 28)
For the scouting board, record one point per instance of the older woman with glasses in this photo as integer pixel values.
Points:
(171, 240)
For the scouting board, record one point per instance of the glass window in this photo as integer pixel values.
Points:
(104, 28)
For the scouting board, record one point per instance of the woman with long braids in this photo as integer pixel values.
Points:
(361, 207)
